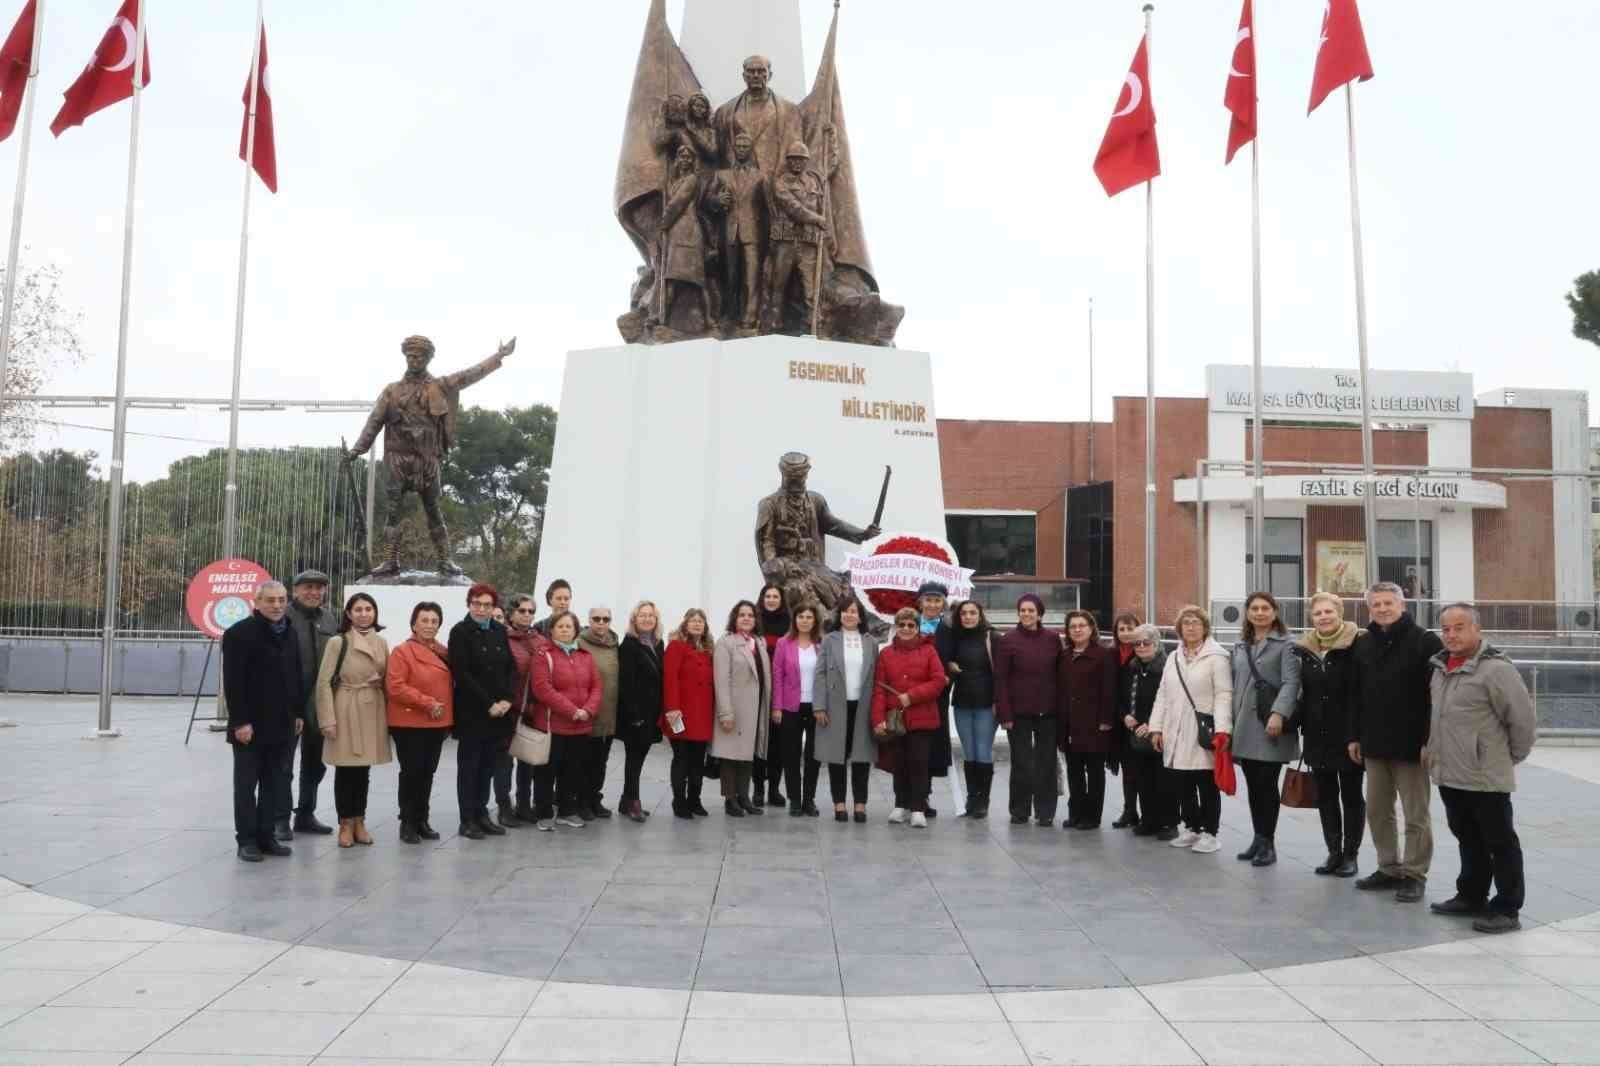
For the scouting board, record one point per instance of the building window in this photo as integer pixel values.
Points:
(1285, 563)
(1405, 556)
(1089, 546)
(994, 544)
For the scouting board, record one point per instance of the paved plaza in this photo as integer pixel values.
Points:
(129, 933)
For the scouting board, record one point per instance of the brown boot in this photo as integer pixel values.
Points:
(346, 832)
(358, 829)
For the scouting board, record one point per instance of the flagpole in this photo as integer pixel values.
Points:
(230, 498)
(15, 251)
(119, 430)
(1258, 576)
(1091, 389)
(1368, 504)
(1149, 377)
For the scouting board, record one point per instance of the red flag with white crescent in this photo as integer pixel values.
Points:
(1341, 52)
(1128, 153)
(1240, 95)
(108, 79)
(16, 59)
(263, 155)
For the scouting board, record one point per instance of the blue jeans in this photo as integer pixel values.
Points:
(975, 726)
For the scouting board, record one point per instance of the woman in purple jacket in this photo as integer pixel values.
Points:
(794, 672)
(1025, 705)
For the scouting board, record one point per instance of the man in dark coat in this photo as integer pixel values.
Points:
(262, 682)
(1389, 716)
(312, 623)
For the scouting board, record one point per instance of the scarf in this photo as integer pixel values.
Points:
(928, 626)
(1319, 645)
(280, 627)
(483, 623)
(566, 646)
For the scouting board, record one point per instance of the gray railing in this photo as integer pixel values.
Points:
(1576, 623)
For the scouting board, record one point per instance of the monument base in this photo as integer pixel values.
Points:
(663, 453)
(396, 601)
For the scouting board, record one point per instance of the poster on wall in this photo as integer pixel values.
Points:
(1342, 567)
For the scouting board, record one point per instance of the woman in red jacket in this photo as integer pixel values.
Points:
(566, 691)
(911, 676)
(688, 701)
(421, 711)
(1086, 695)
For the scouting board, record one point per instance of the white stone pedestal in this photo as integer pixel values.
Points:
(396, 601)
(662, 454)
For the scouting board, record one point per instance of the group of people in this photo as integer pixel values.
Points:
(1371, 716)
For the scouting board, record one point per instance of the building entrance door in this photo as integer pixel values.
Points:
(1285, 565)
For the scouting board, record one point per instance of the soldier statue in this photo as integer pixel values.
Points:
(791, 527)
(799, 227)
(417, 415)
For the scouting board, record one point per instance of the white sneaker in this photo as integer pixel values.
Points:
(919, 820)
(898, 816)
(570, 821)
(1206, 844)
(545, 825)
(1186, 839)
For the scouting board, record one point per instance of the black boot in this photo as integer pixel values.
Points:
(985, 782)
(281, 831)
(969, 769)
(1249, 854)
(1267, 855)
(731, 808)
(471, 831)
(1348, 867)
(426, 831)
(306, 822)
(409, 834)
(1329, 865)
(486, 824)
(508, 817)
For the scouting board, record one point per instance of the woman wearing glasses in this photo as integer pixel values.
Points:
(601, 642)
(909, 680)
(484, 675)
(1196, 682)
(1137, 684)
(522, 638)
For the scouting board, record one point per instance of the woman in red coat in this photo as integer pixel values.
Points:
(910, 675)
(1086, 699)
(566, 689)
(688, 708)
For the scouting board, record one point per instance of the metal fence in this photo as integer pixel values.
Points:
(1542, 621)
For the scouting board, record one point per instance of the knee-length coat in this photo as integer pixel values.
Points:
(743, 681)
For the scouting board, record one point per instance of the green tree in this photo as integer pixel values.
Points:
(496, 479)
(1584, 300)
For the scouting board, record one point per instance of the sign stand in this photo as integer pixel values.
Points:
(194, 711)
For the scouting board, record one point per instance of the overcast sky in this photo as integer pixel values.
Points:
(447, 169)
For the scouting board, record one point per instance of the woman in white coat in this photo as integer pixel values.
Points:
(1196, 681)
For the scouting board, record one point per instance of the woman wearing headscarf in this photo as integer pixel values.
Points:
(766, 769)
(639, 693)
(352, 712)
(1325, 652)
(1266, 697)
(1025, 704)
(846, 667)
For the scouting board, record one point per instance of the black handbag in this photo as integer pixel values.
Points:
(1205, 723)
(1266, 692)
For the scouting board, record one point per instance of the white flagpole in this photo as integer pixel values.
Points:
(1091, 389)
(119, 430)
(1149, 376)
(1258, 576)
(15, 250)
(230, 497)
(1368, 504)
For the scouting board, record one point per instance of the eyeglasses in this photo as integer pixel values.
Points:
(905, 625)
(1144, 643)
(599, 618)
(482, 603)
(522, 610)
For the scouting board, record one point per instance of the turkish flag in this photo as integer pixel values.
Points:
(16, 59)
(108, 79)
(1240, 95)
(1128, 153)
(1341, 53)
(263, 155)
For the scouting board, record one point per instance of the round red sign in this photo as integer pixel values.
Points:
(222, 593)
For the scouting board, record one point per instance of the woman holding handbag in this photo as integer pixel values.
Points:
(688, 709)
(352, 713)
(846, 667)
(1137, 684)
(639, 690)
(1190, 726)
(744, 700)
(909, 680)
(566, 697)
(522, 638)
(421, 712)
(1266, 693)
(1325, 653)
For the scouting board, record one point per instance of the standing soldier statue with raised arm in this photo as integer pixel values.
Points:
(417, 415)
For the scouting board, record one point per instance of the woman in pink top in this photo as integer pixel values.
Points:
(794, 671)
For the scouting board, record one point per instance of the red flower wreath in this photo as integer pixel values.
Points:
(887, 601)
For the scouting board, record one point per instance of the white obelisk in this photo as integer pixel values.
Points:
(717, 35)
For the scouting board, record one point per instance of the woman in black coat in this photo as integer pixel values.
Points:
(638, 700)
(484, 676)
(1325, 678)
(1137, 682)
